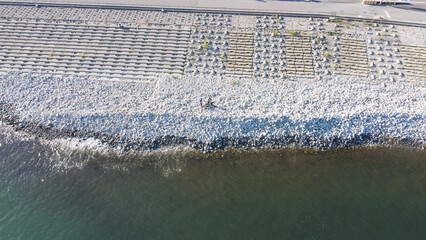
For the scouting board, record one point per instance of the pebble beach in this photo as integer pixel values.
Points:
(335, 112)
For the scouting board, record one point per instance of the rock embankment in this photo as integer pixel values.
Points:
(326, 113)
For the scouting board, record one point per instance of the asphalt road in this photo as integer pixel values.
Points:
(344, 8)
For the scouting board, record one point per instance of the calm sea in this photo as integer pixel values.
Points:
(365, 193)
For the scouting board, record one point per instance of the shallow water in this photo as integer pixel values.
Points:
(364, 193)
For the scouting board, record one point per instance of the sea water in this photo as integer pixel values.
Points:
(48, 192)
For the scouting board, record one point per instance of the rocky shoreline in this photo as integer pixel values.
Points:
(123, 144)
(141, 116)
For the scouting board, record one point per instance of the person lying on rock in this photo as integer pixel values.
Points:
(208, 104)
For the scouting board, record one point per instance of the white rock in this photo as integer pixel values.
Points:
(319, 109)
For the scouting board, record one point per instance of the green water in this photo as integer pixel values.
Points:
(291, 194)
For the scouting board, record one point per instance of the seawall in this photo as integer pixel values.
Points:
(133, 78)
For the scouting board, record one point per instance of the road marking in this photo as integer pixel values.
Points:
(387, 14)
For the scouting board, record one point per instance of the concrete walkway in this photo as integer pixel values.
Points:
(343, 8)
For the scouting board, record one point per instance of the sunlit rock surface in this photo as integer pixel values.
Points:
(256, 113)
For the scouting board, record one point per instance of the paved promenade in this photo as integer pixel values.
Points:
(341, 8)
